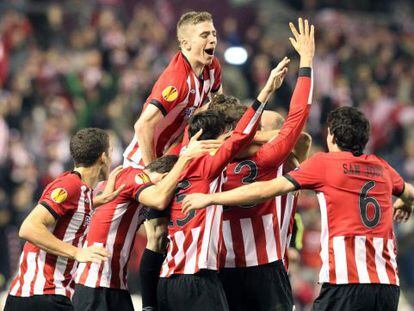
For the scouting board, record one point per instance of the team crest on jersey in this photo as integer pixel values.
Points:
(59, 195)
(142, 178)
(170, 93)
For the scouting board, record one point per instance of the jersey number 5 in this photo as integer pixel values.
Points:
(364, 202)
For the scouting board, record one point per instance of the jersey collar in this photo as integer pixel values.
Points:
(77, 173)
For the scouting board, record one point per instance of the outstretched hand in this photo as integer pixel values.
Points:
(303, 41)
(278, 74)
(275, 80)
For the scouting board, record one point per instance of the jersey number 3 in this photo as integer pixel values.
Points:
(364, 202)
(250, 178)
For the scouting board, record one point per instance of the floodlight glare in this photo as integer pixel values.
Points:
(235, 55)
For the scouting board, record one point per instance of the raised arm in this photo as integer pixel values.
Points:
(276, 151)
(249, 194)
(246, 127)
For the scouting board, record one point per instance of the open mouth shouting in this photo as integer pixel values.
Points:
(209, 51)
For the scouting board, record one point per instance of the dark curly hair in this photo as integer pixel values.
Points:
(229, 107)
(212, 123)
(350, 129)
(87, 145)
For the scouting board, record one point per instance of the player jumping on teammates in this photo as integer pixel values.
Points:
(192, 75)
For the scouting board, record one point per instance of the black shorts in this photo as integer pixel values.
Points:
(38, 303)
(355, 297)
(195, 292)
(264, 287)
(101, 298)
(151, 213)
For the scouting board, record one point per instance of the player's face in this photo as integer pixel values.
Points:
(202, 42)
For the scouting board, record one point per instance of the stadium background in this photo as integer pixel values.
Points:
(65, 65)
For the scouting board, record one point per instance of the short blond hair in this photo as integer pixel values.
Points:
(192, 18)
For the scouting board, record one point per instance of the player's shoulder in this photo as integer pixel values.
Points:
(64, 187)
(70, 180)
(131, 176)
(318, 161)
(374, 157)
(379, 161)
(320, 155)
(178, 68)
(172, 79)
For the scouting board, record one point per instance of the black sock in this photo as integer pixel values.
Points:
(149, 270)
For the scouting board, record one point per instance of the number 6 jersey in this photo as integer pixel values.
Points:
(355, 199)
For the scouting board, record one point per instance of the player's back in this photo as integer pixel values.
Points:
(355, 198)
(113, 225)
(200, 229)
(254, 234)
(358, 192)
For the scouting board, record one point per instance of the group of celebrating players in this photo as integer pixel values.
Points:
(215, 185)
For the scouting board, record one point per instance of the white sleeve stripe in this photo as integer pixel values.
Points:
(253, 121)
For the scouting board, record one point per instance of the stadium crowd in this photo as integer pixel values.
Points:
(61, 71)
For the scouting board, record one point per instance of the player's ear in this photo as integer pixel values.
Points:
(185, 42)
(185, 45)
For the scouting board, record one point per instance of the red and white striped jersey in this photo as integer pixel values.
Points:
(355, 198)
(258, 234)
(113, 225)
(177, 93)
(194, 239)
(69, 200)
